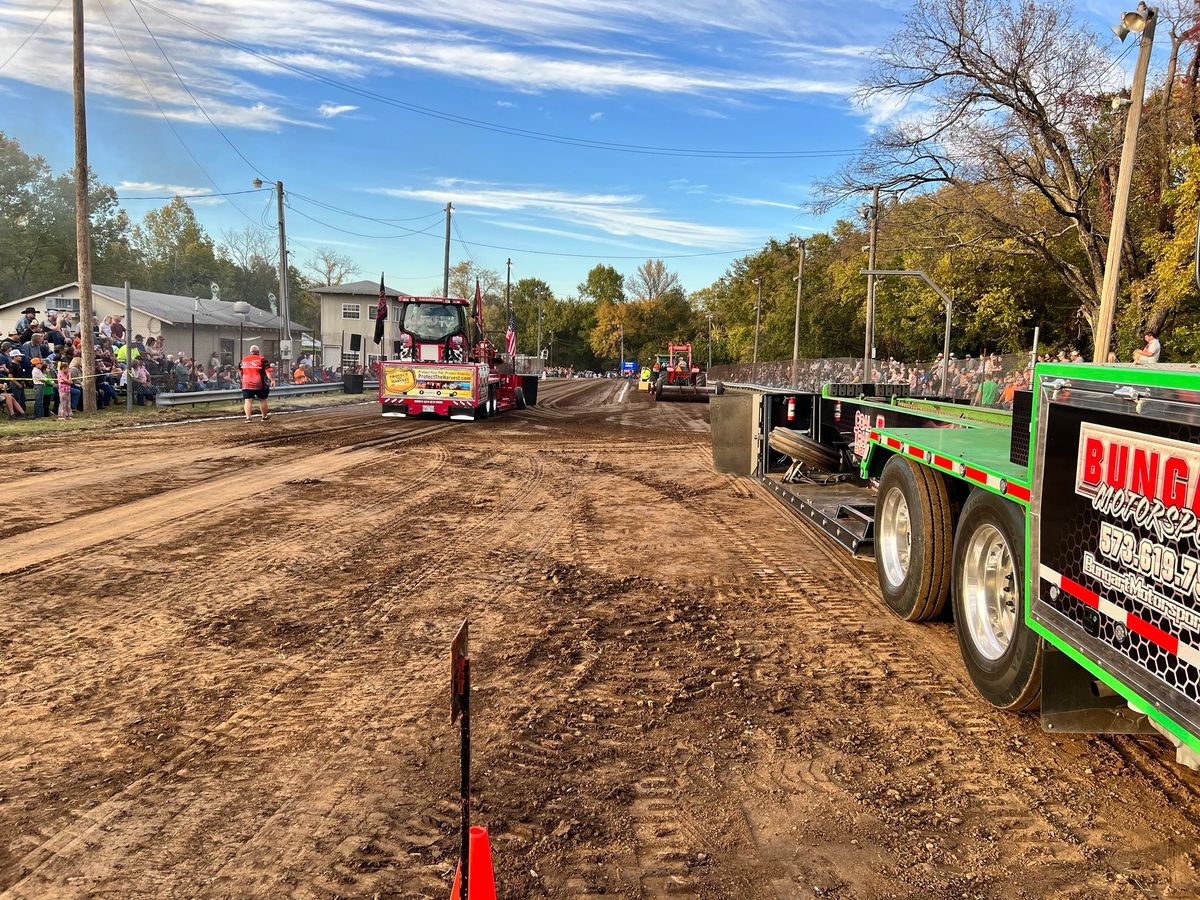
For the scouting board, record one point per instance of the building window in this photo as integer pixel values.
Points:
(351, 311)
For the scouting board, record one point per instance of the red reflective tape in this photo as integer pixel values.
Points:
(1079, 592)
(917, 452)
(894, 444)
(975, 474)
(1020, 493)
(1168, 642)
(942, 463)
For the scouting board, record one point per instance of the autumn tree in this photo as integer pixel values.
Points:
(329, 267)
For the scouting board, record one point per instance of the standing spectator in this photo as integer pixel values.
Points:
(257, 381)
(40, 388)
(1148, 355)
(64, 390)
(19, 371)
(118, 329)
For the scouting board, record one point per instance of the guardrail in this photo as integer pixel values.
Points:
(191, 398)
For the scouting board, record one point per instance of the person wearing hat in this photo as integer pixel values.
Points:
(19, 370)
(26, 322)
(40, 385)
(117, 328)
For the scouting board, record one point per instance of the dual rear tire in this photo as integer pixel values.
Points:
(927, 552)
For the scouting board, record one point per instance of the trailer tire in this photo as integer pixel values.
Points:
(914, 539)
(1002, 655)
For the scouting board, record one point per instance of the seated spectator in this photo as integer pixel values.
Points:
(299, 376)
(8, 396)
(1149, 354)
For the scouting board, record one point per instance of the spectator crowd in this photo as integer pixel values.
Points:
(41, 367)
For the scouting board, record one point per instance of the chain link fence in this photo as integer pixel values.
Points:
(987, 380)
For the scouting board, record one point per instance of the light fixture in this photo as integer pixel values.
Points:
(1131, 21)
(257, 183)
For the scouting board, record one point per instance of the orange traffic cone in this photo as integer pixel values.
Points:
(483, 881)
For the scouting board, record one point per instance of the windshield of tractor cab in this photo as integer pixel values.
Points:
(432, 321)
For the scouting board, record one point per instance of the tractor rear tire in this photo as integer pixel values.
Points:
(914, 539)
(520, 398)
(1002, 655)
(658, 388)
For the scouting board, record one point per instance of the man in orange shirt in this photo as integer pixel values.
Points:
(257, 380)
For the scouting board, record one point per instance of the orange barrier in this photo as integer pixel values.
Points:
(483, 880)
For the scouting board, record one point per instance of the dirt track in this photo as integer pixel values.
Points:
(223, 670)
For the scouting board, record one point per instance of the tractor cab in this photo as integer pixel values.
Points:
(433, 330)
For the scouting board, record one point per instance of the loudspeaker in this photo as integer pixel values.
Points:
(355, 342)
(396, 347)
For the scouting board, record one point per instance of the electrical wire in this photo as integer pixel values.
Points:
(408, 232)
(183, 84)
(467, 121)
(164, 115)
(196, 196)
(29, 37)
(465, 245)
(610, 256)
(348, 212)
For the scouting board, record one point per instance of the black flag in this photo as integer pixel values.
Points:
(381, 311)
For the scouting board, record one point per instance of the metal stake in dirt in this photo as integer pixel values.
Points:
(460, 704)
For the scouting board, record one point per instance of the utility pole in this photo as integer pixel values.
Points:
(1144, 21)
(537, 294)
(797, 242)
(622, 346)
(285, 320)
(757, 324)
(446, 269)
(869, 344)
(709, 343)
(508, 316)
(83, 229)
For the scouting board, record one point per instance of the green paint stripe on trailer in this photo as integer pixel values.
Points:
(1181, 376)
(948, 414)
(978, 456)
(1137, 701)
(957, 411)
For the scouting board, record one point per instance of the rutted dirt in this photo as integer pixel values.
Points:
(223, 670)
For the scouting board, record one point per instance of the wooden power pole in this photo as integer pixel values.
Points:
(83, 237)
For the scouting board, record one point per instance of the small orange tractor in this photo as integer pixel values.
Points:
(674, 377)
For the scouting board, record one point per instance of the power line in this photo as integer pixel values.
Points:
(29, 37)
(409, 232)
(347, 212)
(183, 84)
(195, 196)
(548, 137)
(163, 113)
(609, 256)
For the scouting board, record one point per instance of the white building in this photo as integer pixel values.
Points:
(348, 321)
(189, 325)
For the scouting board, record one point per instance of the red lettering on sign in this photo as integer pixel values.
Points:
(1118, 466)
(1175, 482)
(1093, 455)
(1145, 473)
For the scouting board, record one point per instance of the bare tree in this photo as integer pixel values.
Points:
(651, 281)
(248, 247)
(999, 106)
(326, 266)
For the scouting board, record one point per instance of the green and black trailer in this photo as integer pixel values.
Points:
(1062, 537)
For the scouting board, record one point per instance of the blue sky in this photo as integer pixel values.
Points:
(720, 75)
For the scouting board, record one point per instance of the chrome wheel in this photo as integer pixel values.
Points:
(990, 594)
(895, 537)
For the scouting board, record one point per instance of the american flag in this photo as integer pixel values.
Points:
(510, 337)
(380, 311)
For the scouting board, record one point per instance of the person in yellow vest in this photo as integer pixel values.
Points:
(257, 380)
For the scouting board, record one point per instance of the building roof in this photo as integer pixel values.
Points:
(359, 288)
(172, 309)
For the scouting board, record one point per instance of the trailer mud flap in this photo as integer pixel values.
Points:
(1074, 702)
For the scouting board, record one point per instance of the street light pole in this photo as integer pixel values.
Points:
(622, 346)
(537, 293)
(709, 342)
(914, 273)
(757, 324)
(797, 242)
(1143, 20)
(872, 214)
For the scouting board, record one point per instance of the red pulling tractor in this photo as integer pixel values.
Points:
(446, 366)
(674, 377)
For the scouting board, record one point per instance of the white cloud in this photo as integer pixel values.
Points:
(525, 45)
(622, 215)
(505, 104)
(596, 117)
(331, 110)
(161, 188)
(755, 201)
